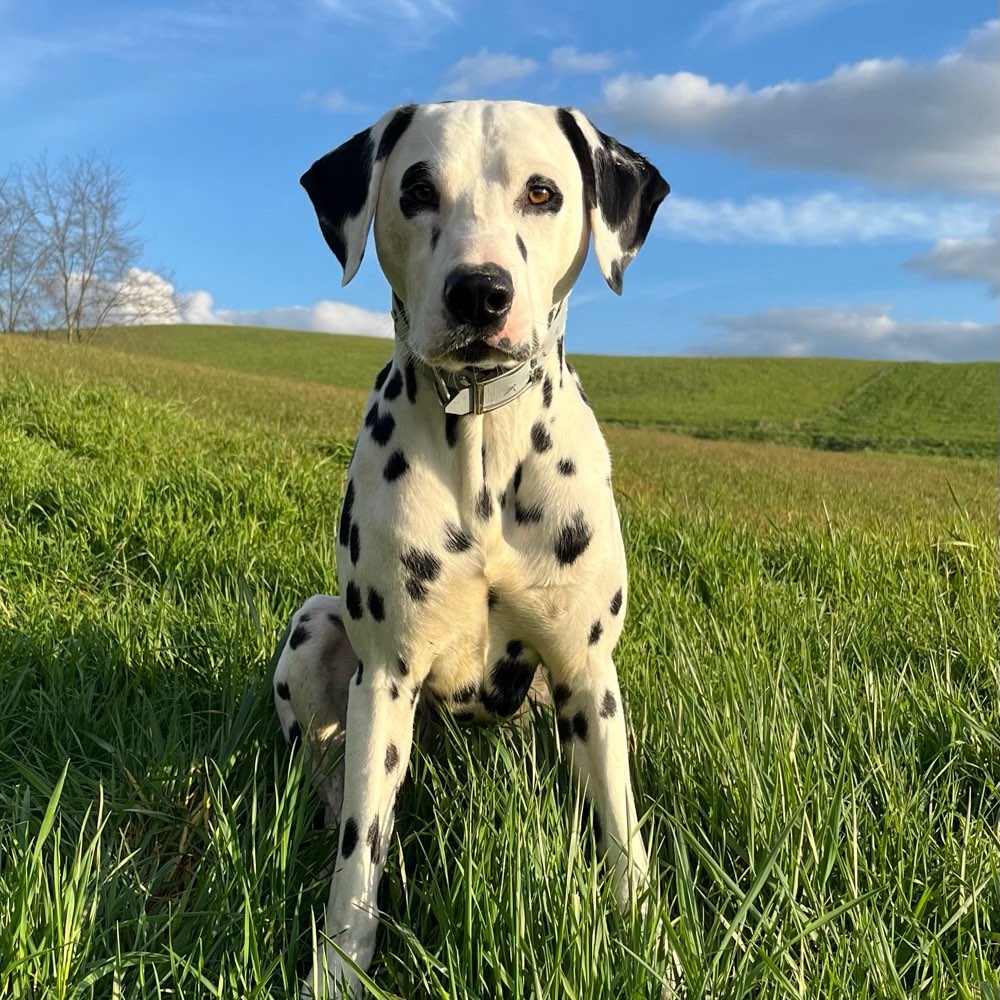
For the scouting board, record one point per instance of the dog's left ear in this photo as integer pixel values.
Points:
(343, 186)
(622, 190)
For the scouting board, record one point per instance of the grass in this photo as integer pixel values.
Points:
(809, 663)
(825, 403)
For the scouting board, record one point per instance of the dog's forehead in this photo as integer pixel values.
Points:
(497, 141)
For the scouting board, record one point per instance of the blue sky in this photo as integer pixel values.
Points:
(833, 163)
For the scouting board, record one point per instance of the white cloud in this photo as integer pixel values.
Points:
(485, 69)
(567, 60)
(740, 20)
(826, 218)
(851, 331)
(322, 317)
(975, 258)
(331, 100)
(908, 124)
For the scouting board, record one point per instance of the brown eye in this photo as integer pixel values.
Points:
(422, 193)
(538, 194)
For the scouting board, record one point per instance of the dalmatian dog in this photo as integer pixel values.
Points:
(478, 538)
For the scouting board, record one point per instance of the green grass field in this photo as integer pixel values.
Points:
(825, 403)
(809, 665)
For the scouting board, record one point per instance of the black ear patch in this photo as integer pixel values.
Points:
(622, 191)
(629, 191)
(340, 183)
(337, 185)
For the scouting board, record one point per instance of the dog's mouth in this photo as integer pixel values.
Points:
(478, 354)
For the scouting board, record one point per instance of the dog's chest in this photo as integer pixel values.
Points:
(465, 542)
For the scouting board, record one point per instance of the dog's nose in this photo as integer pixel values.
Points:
(479, 296)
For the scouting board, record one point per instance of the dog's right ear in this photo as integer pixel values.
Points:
(343, 186)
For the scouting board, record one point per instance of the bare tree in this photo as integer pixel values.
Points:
(23, 256)
(89, 276)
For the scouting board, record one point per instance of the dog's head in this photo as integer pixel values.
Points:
(483, 212)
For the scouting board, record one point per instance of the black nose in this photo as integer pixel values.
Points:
(479, 296)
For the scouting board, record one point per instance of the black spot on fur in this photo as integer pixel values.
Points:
(572, 540)
(399, 124)
(335, 620)
(391, 758)
(616, 603)
(451, 429)
(355, 544)
(561, 694)
(547, 391)
(540, 439)
(560, 350)
(372, 415)
(404, 668)
(435, 236)
(359, 676)
(345, 513)
(394, 386)
(411, 382)
(527, 515)
(510, 679)
(566, 467)
(395, 467)
(382, 375)
(464, 718)
(305, 617)
(382, 429)
(283, 691)
(349, 840)
(502, 499)
(492, 598)
(484, 504)
(522, 247)
(372, 840)
(580, 726)
(354, 608)
(422, 564)
(295, 736)
(393, 690)
(565, 729)
(416, 589)
(299, 636)
(376, 605)
(518, 471)
(482, 452)
(456, 540)
(465, 694)
(609, 705)
(596, 631)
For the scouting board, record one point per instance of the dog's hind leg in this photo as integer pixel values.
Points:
(311, 680)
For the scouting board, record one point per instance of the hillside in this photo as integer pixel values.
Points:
(827, 403)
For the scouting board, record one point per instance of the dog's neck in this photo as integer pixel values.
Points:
(478, 390)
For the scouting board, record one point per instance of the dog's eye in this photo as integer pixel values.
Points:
(539, 194)
(422, 193)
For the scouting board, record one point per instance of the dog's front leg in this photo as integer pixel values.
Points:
(380, 716)
(591, 725)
